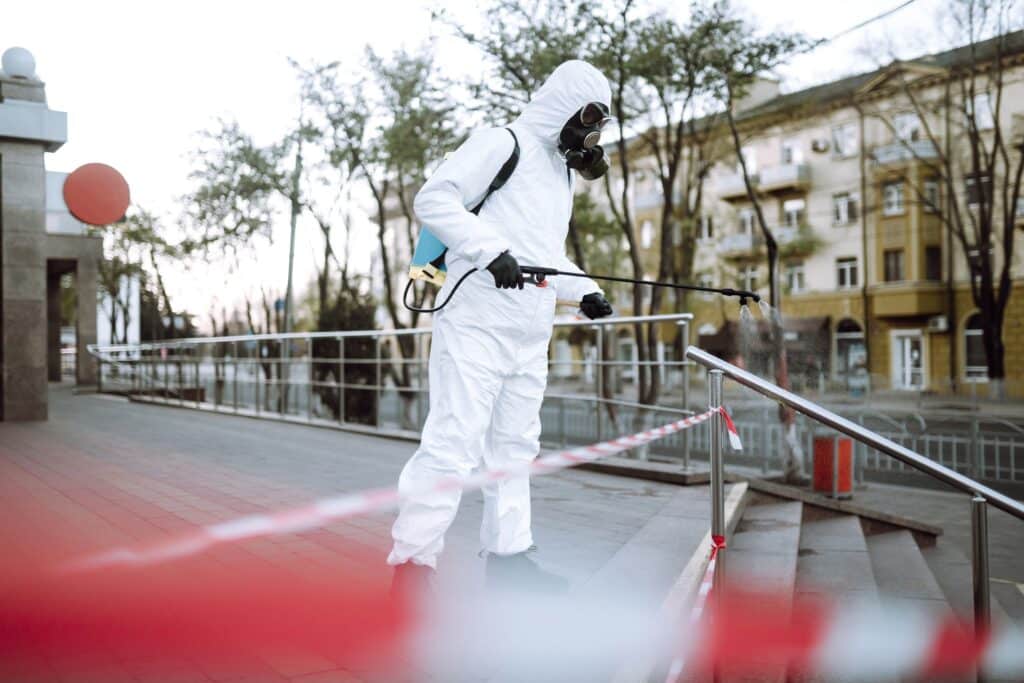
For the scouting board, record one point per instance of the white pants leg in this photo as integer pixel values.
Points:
(464, 383)
(514, 438)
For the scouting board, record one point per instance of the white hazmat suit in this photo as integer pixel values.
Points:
(488, 356)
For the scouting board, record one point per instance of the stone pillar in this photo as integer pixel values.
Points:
(28, 129)
(23, 320)
(53, 359)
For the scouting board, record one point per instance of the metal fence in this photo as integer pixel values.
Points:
(377, 380)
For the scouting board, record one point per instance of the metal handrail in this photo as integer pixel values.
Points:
(856, 431)
(981, 495)
(339, 334)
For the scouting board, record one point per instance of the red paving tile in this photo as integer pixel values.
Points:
(101, 474)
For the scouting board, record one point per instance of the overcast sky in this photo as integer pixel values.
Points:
(139, 79)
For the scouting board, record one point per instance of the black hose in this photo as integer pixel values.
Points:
(539, 273)
(435, 309)
(726, 291)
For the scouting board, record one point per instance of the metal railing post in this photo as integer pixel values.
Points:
(234, 376)
(715, 443)
(378, 383)
(979, 566)
(765, 440)
(257, 375)
(309, 387)
(599, 376)
(684, 333)
(341, 380)
(977, 466)
(716, 426)
(284, 375)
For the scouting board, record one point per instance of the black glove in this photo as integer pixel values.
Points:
(505, 270)
(595, 306)
(591, 163)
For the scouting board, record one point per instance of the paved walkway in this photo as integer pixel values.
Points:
(104, 472)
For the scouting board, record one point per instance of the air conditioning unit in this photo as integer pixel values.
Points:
(938, 323)
(819, 144)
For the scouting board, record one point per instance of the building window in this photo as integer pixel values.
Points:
(975, 185)
(908, 127)
(748, 278)
(981, 110)
(893, 265)
(846, 272)
(793, 212)
(795, 278)
(933, 263)
(844, 208)
(844, 139)
(707, 228)
(976, 369)
(646, 234)
(931, 195)
(750, 158)
(892, 198)
(792, 152)
(747, 221)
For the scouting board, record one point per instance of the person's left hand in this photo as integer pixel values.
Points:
(595, 306)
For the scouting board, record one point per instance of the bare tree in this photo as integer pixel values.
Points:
(964, 137)
(740, 55)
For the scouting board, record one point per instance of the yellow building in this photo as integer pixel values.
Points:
(850, 178)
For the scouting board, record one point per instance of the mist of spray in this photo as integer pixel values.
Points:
(748, 328)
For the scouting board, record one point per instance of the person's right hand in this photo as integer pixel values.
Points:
(505, 270)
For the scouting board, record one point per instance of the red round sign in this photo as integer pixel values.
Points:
(96, 194)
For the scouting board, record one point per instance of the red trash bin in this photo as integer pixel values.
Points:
(833, 466)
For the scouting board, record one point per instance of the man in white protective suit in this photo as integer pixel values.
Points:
(489, 353)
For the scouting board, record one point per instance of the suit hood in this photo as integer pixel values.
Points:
(573, 84)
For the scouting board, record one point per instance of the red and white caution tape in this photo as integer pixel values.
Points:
(869, 640)
(707, 583)
(328, 510)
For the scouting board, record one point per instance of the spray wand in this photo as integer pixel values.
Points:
(538, 275)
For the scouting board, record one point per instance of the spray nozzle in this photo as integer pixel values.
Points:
(743, 301)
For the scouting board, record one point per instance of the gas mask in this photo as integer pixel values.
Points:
(579, 137)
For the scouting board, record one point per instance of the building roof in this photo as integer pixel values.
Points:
(846, 88)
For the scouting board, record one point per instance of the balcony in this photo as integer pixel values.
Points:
(785, 234)
(900, 299)
(902, 152)
(795, 240)
(785, 177)
(731, 186)
(739, 244)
